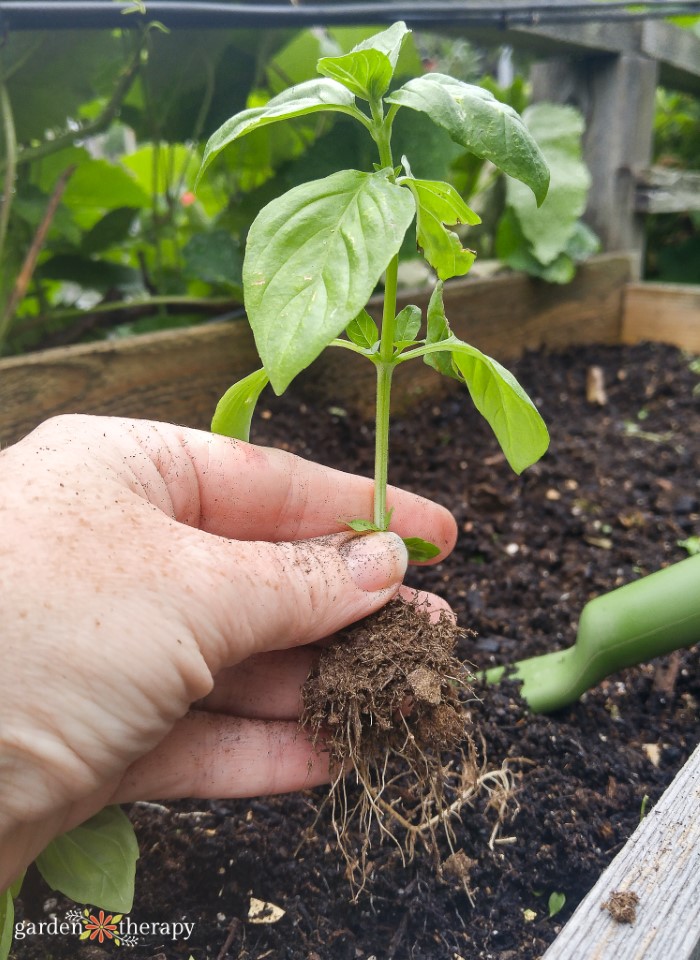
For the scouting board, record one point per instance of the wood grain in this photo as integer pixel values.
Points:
(660, 863)
(179, 375)
(662, 312)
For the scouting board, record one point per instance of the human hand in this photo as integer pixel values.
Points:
(146, 568)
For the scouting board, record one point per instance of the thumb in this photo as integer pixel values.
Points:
(285, 594)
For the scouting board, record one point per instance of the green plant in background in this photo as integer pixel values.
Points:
(103, 227)
(550, 244)
(95, 863)
(315, 255)
(673, 239)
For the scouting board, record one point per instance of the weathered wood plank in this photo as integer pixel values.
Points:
(665, 312)
(677, 53)
(660, 863)
(179, 375)
(662, 190)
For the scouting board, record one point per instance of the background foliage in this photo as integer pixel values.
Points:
(101, 232)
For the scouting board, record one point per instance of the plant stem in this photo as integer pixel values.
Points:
(386, 362)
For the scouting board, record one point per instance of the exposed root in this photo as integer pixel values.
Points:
(388, 701)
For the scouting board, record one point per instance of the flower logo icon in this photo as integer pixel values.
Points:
(101, 927)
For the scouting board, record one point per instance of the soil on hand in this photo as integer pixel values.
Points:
(611, 501)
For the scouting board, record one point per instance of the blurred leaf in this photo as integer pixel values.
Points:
(548, 229)
(112, 229)
(100, 275)
(215, 257)
(53, 72)
(105, 186)
(7, 922)
(158, 169)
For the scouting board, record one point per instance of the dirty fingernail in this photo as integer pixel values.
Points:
(376, 560)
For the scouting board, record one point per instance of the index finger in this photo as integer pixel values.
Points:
(236, 489)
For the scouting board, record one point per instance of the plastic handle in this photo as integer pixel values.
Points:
(635, 623)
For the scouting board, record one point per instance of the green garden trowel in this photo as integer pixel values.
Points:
(635, 623)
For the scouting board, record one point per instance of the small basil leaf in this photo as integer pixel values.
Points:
(362, 526)
(439, 330)
(366, 73)
(234, 412)
(420, 550)
(438, 204)
(408, 323)
(388, 42)
(363, 331)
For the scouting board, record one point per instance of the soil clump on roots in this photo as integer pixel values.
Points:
(388, 699)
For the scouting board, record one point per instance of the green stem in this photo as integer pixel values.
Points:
(386, 362)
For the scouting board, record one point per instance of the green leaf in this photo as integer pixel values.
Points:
(313, 259)
(215, 257)
(420, 550)
(112, 229)
(474, 118)
(408, 323)
(549, 229)
(556, 903)
(363, 331)
(437, 204)
(501, 400)
(304, 98)
(105, 186)
(496, 393)
(362, 526)
(7, 923)
(95, 863)
(366, 73)
(388, 42)
(234, 412)
(101, 275)
(439, 330)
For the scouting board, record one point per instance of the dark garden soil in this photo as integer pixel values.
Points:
(618, 489)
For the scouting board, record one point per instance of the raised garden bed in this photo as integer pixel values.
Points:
(617, 491)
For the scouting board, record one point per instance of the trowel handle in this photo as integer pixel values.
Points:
(630, 625)
(644, 619)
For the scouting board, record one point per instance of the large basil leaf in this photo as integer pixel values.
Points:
(308, 97)
(499, 398)
(94, 863)
(313, 258)
(474, 118)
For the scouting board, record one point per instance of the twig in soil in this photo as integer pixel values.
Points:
(232, 931)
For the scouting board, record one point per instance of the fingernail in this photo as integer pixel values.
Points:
(376, 561)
